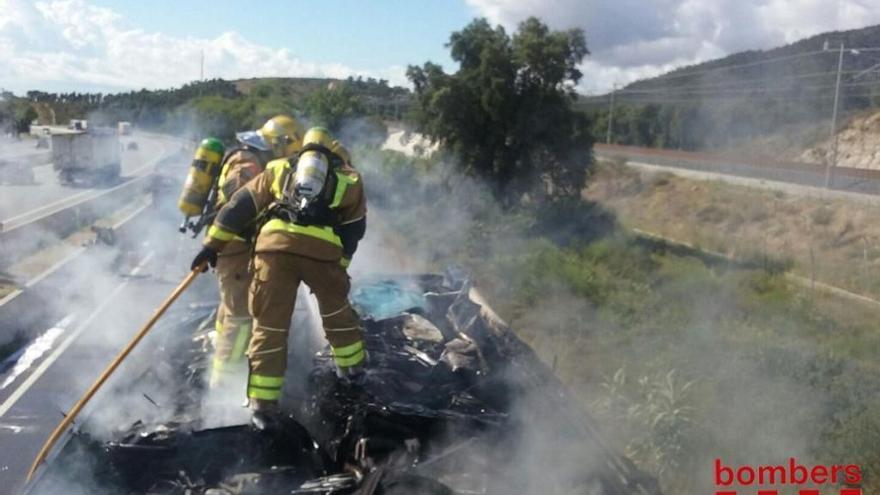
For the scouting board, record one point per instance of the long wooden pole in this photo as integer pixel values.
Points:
(71, 415)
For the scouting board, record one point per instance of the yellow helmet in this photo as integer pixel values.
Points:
(322, 137)
(281, 135)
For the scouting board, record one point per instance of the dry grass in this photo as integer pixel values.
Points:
(834, 241)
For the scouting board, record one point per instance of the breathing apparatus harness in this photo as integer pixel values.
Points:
(297, 208)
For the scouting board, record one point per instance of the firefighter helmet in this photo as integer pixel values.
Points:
(320, 136)
(281, 135)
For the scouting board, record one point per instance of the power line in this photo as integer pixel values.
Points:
(711, 91)
(747, 82)
(788, 89)
(742, 84)
(760, 62)
(661, 99)
(740, 66)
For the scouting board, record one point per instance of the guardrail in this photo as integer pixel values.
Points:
(33, 230)
(36, 229)
(858, 180)
(17, 315)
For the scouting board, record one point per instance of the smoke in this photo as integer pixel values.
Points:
(424, 215)
(592, 306)
(80, 315)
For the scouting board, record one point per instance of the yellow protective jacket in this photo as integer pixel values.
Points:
(344, 195)
(239, 167)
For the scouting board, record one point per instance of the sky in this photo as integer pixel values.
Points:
(115, 45)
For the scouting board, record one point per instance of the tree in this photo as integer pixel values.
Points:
(506, 114)
(23, 115)
(330, 107)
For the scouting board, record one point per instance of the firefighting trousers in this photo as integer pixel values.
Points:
(233, 322)
(272, 298)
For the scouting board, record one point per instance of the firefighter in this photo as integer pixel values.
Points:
(310, 214)
(279, 137)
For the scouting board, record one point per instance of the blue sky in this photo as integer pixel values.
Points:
(354, 33)
(115, 45)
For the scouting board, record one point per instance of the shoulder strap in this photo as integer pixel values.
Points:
(231, 151)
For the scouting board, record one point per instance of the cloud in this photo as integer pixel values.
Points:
(73, 44)
(630, 39)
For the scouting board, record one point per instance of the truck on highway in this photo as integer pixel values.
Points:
(124, 128)
(78, 124)
(90, 157)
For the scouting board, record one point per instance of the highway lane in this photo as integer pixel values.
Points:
(858, 181)
(19, 200)
(15, 151)
(107, 311)
(81, 315)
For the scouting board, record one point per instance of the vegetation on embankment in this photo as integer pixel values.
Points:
(832, 241)
(680, 361)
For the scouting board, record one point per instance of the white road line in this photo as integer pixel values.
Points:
(30, 283)
(49, 206)
(73, 200)
(758, 183)
(37, 373)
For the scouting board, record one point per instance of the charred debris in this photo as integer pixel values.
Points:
(452, 403)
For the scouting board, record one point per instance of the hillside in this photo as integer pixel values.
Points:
(858, 143)
(300, 87)
(811, 61)
(219, 107)
(746, 96)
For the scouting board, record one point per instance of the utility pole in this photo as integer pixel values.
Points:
(202, 66)
(832, 162)
(610, 115)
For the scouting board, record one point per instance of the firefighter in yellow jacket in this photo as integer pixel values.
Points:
(312, 214)
(279, 137)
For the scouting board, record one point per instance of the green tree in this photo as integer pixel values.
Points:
(330, 107)
(23, 114)
(506, 114)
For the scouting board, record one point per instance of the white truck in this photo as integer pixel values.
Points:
(90, 157)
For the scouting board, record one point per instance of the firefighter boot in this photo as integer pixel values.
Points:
(266, 414)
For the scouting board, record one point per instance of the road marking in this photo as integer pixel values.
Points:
(70, 201)
(37, 373)
(792, 188)
(46, 207)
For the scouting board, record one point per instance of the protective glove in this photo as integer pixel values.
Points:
(206, 256)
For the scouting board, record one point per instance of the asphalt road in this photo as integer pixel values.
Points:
(98, 314)
(773, 185)
(12, 150)
(807, 175)
(81, 315)
(16, 200)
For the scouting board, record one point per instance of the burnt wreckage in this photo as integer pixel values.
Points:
(452, 403)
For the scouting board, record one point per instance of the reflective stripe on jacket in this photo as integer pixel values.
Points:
(321, 242)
